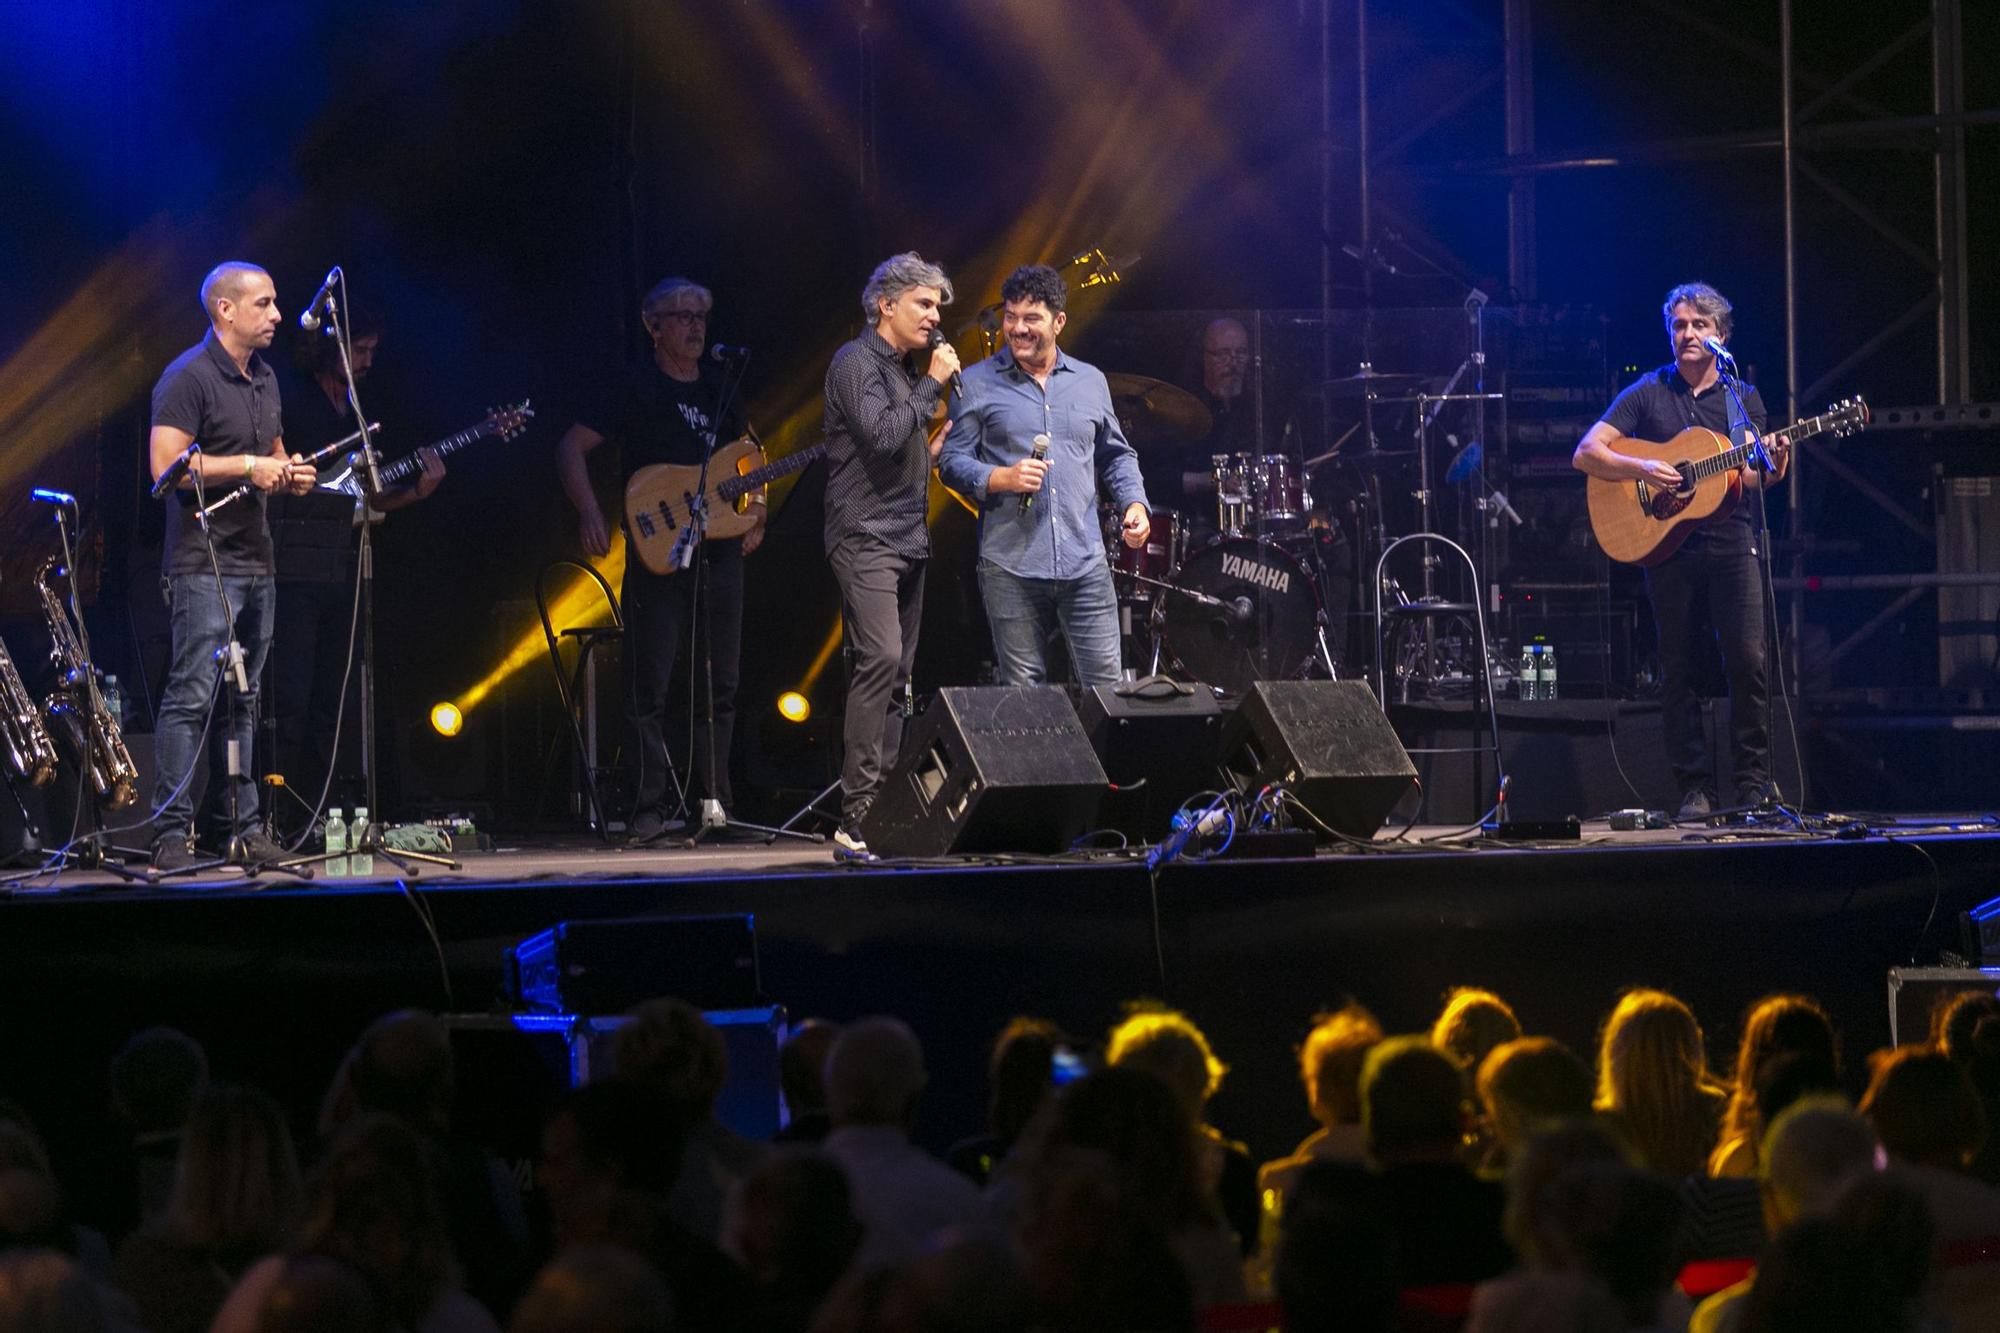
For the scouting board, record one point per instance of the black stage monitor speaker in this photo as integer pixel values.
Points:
(1325, 741)
(1157, 744)
(988, 769)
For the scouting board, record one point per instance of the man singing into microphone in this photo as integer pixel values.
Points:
(1030, 439)
(669, 410)
(1717, 563)
(878, 473)
(221, 393)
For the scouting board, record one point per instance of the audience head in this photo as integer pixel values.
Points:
(1652, 1071)
(42, 1291)
(1412, 1102)
(1146, 1135)
(595, 1289)
(314, 1293)
(1021, 1074)
(32, 1215)
(604, 1138)
(1617, 1223)
(1968, 1029)
(1336, 1266)
(1814, 1148)
(1330, 1063)
(874, 1074)
(1530, 1082)
(1792, 1076)
(668, 1045)
(1167, 1044)
(1923, 1107)
(1534, 1167)
(236, 1182)
(401, 1066)
(1775, 1025)
(1859, 1268)
(794, 1226)
(1473, 1022)
(1095, 1258)
(802, 1067)
(374, 1203)
(155, 1078)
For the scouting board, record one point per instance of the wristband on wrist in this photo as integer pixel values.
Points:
(249, 466)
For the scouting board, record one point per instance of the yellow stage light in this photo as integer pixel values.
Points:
(446, 720)
(794, 707)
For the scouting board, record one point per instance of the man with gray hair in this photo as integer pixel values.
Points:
(1717, 562)
(903, 1197)
(878, 410)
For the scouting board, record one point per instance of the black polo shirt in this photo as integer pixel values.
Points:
(229, 413)
(656, 418)
(878, 411)
(1661, 404)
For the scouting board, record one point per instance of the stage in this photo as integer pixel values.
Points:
(275, 975)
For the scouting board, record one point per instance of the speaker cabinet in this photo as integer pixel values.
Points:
(988, 769)
(1325, 741)
(1157, 748)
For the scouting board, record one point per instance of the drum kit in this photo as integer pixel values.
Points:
(1267, 591)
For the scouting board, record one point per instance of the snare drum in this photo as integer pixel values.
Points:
(1156, 559)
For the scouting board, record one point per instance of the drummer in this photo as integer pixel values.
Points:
(1181, 474)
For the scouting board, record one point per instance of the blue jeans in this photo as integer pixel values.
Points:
(1024, 612)
(200, 630)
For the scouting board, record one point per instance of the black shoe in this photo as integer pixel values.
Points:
(256, 849)
(1759, 794)
(171, 854)
(1696, 804)
(650, 826)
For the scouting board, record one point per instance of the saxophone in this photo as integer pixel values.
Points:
(88, 722)
(24, 742)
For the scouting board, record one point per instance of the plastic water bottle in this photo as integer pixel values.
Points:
(336, 844)
(1548, 681)
(361, 863)
(114, 701)
(1529, 680)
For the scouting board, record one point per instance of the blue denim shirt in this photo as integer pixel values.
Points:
(994, 424)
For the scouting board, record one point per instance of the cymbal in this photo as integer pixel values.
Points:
(1369, 381)
(1156, 413)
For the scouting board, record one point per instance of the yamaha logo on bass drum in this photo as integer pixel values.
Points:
(1251, 571)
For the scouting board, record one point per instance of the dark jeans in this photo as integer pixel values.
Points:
(200, 629)
(882, 604)
(661, 614)
(309, 659)
(1722, 572)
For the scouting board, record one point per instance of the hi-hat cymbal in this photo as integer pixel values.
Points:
(1156, 413)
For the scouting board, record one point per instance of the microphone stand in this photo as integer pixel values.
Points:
(715, 819)
(368, 839)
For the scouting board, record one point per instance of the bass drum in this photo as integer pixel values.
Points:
(1241, 611)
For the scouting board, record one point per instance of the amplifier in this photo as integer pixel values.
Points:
(606, 967)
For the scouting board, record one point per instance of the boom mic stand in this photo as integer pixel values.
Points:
(370, 841)
(715, 819)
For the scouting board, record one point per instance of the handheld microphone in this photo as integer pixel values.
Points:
(937, 340)
(1039, 453)
(309, 318)
(724, 352)
(48, 497)
(1715, 349)
(175, 470)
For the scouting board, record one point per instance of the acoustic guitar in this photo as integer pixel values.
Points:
(659, 499)
(1639, 522)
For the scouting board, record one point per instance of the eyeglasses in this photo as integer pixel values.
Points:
(685, 318)
(1227, 353)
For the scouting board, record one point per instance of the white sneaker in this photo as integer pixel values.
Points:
(848, 846)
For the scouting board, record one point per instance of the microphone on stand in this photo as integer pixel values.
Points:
(724, 352)
(957, 385)
(175, 470)
(1039, 453)
(309, 318)
(44, 495)
(1718, 351)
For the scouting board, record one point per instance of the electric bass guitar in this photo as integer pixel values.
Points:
(1640, 522)
(501, 423)
(659, 499)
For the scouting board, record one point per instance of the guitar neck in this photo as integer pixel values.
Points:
(1731, 459)
(755, 477)
(408, 464)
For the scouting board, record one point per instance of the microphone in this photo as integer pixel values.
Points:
(937, 340)
(176, 470)
(724, 352)
(1718, 351)
(48, 497)
(309, 318)
(1039, 453)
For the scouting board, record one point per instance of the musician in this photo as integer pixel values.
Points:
(1182, 477)
(669, 409)
(1042, 566)
(221, 393)
(878, 406)
(314, 630)
(1718, 562)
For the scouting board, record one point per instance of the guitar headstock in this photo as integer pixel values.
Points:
(1847, 416)
(507, 422)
